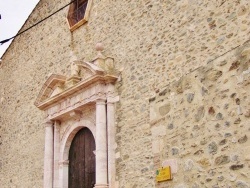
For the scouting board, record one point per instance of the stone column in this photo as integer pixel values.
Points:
(101, 145)
(63, 176)
(111, 143)
(56, 153)
(111, 134)
(48, 155)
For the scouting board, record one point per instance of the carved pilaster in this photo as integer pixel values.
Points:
(68, 98)
(63, 176)
(111, 100)
(48, 155)
(56, 153)
(101, 145)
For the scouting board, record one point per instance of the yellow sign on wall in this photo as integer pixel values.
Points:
(163, 174)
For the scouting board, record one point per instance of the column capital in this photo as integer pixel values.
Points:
(113, 99)
(48, 123)
(57, 122)
(100, 101)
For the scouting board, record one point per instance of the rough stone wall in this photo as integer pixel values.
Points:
(155, 43)
(24, 68)
(181, 38)
(202, 122)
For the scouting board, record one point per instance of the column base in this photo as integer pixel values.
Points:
(101, 186)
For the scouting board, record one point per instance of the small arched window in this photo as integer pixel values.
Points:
(78, 13)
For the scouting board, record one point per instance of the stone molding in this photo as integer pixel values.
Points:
(49, 86)
(102, 186)
(48, 123)
(89, 88)
(69, 135)
(66, 163)
(88, 82)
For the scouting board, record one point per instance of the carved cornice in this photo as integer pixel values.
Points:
(61, 97)
(49, 86)
(48, 123)
(79, 87)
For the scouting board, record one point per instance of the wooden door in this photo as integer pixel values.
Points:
(82, 160)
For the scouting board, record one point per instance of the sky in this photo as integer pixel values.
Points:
(13, 15)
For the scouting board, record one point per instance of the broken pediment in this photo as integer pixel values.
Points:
(105, 63)
(82, 76)
(85, 70)
(81, 71)
(54, 83)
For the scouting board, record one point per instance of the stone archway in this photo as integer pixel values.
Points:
(66, 100)
(70, 134)
(82, 160)
(65, 144)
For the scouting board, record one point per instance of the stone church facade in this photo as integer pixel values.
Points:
(149, 84)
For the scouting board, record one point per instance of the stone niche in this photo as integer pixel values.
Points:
(70, 100)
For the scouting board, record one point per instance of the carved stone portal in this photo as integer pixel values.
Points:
(66, 99)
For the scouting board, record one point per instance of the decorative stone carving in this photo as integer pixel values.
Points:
(80, 100)
(74, 74)
(106, 63)
(75, 69)
(51, 85)
(91, 78)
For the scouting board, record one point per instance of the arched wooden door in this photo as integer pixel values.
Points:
(82, 160)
